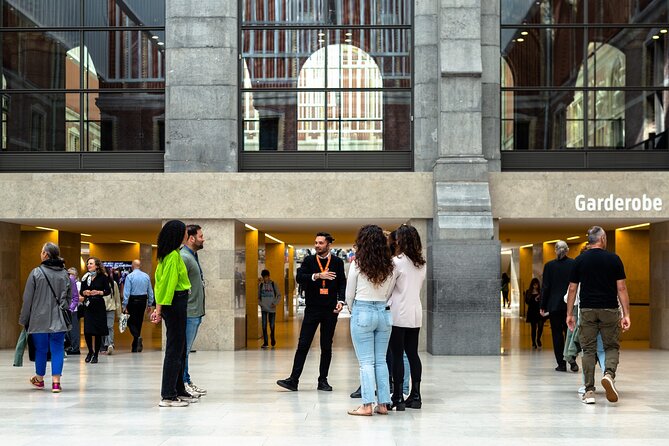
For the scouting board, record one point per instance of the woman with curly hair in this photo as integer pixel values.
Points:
(407, 314)
(171, 293)
(368, 286)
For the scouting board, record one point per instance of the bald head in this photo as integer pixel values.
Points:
(136, 264)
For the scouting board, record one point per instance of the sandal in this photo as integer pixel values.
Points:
(36, 382)
(359, 412)
(381, 409)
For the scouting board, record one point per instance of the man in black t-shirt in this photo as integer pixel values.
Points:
(602, 278)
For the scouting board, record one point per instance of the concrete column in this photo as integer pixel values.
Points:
(10, 284)
(463, 301)
(290, 293)
(659, 286)
(146, 256)
(70, 248)
(201, 86)
(219, 261)
(252, 238)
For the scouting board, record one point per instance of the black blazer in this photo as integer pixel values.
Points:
(555, 283)
(336, 288)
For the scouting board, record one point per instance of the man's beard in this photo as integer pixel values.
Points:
(198, 247)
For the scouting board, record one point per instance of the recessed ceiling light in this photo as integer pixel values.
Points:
(520, 39)
(44, 228)
(128, 241)
(160, 44)
(86, 235)
(154, 37)
(349, 33)
(655, 37)
(663, 31)
(347, 40)
(524, 33)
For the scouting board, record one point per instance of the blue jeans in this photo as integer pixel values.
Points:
(271, 317)
(192, 325)
(371, 324)
(44, 342)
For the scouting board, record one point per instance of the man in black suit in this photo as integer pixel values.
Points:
(324, 281)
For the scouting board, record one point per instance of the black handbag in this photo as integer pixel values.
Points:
(64, 312)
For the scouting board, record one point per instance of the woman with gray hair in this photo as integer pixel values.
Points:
(47, 292)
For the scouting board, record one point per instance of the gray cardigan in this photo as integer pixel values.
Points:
(40, 313)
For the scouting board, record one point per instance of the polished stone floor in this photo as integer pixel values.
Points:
(512, 399)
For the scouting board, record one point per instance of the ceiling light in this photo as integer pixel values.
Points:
(349, 33)
(250, 227)
(128, 241)
(655, 37)
(663, 31)
(574, 237)
(553, 241)
(86, 235)
(85, 243)
(45, 228)
(520, 39)
(154, 37)
(527, 246)
(524, 33)
(624, 228)
(273, 238)
(161, 43)
(506, 251)
(154, 246)
(347, 40)
(321, 34)
(321, 41)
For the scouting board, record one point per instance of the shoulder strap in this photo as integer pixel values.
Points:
(55, 296)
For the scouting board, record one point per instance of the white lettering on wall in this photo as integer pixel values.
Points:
(617, 204)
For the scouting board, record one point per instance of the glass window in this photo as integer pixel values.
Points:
(40, 13)
(124, 13)
(123, 59)
(40, 60)
(318, 86)
(39, 121)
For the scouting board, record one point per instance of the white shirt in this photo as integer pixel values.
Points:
(359, 287)
(404, 301)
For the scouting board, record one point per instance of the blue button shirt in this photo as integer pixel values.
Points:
(137, 283)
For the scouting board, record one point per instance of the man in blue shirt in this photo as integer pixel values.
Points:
(137, 292)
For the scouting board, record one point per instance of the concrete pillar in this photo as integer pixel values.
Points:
(70, 248)
(146, 256)
(201, 86)
(252, 238)
(463, 301)
(219, 261)
(659, 286)
(290, 280)
(10, 284)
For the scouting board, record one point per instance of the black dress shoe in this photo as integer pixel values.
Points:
(561, 368)
(88, 357)
(323, 385)
(573, 366)
(288, 383)
(140, 344)
(94, 359)
(357, 393)
(399, 406)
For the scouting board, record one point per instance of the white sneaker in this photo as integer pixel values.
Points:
(581, 390)
(189, 399)
(588, 397)
(610, 388)
(195, 389)
(110, 349)
(178, 402)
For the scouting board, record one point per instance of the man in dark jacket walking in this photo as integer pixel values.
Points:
(324, 281)
(553, 288)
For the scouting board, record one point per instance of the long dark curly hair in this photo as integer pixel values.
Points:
(373, 254)
(408, 243)
(170, 237)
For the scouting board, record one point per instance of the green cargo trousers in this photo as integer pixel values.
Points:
(607, 322)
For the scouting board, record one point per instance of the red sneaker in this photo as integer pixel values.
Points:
(55, 387)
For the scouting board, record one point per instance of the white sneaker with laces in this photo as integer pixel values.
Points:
(173, 403)
(197, 389)
(110, 349)
(581, 390)
(610, 388)
(588, 397)
(190, 398)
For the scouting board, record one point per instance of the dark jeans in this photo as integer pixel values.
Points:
(313, 316)
(403, 340)
(75, 332)
(266, 315)
(537, 329)
(175, 346)
(559, 331)
(607, 322)
(136, 308)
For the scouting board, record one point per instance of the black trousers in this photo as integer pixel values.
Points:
(136, 308)
(175, 346)
(559, 331)
(536, 330)
(402, 340)
(313, 316)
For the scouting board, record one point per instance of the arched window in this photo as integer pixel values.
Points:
(606, 108)
(353, 117)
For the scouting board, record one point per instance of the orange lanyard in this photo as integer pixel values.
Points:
(327, 265)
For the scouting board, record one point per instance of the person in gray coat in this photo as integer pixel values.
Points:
(47, 291)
